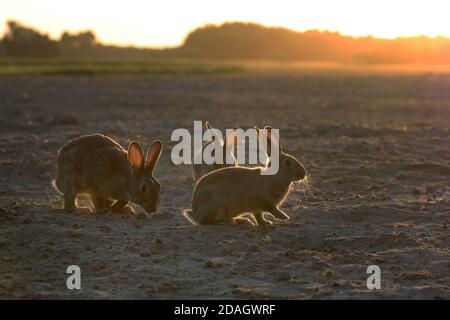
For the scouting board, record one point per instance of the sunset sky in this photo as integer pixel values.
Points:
(166, 22)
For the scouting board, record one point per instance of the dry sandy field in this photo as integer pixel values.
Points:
(376, 147)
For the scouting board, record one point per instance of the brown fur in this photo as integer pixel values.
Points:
(201, 169)
(97, 165)
(225, 194)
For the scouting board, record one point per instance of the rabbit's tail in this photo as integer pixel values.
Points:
(54, 184)
(187, 213)
(59, 180)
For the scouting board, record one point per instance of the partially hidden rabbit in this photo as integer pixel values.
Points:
(222, 196)
(97, 165)
(228, 146)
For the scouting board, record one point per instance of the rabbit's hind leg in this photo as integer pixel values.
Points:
(100, 204)
(259, 216)
(213, 212)
(69, 202)
(67, 187)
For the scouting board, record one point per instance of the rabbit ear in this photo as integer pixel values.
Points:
(273, 138)
(231, 139)
(153, 154)
(135, 156)
(257, 131)
(214, 132)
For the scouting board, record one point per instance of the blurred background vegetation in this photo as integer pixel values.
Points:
(83, 53)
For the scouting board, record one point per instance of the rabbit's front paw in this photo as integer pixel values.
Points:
(122, 207)
(128, 210)
(279, 214)
(243, 220)
(265, 223)
(259, 217)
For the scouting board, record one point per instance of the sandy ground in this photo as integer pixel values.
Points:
(376, 148)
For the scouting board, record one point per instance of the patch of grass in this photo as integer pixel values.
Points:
(19, 66)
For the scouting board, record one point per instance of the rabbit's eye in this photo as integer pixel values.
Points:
(143, 188)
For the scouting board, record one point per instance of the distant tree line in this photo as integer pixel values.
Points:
(253, 41)
(22, 41)
(235, 41)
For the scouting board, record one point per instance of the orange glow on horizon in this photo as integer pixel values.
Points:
(159, 24)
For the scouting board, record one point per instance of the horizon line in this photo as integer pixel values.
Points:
(216, 24)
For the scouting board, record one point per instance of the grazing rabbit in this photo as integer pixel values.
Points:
(201, 169)
(225, 194)
(97, 165)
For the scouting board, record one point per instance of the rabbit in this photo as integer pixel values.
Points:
(225, 194)
(97, 165)
(201, 169)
